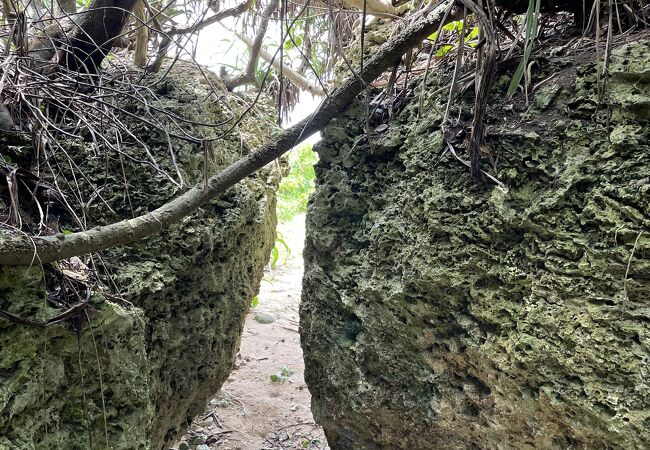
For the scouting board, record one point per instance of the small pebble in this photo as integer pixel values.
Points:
(202, 447)
(207, 421)
(198, 439)
(264, 318)
(183, 446)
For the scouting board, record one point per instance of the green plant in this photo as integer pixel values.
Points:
(455, 26)
(296, 186)
(275, 252)
(83, 4)
(281, 376)
(255, 301)
(309, 442)
(532, 19)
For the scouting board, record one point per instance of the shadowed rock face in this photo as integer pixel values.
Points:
(147, 363)
(441, 313)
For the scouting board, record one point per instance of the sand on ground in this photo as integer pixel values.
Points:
(253, 412)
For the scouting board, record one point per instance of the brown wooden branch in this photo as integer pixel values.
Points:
(237, 10)
(17, 249)
(255, 46)
(306, 47)
(96, 32)
(249, 75)
(297, 79)
(142, 36)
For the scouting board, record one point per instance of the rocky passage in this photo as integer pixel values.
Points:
(443, 313)
(253, 412)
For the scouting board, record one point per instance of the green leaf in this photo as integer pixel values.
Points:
(455, 25)
(532, 16)
(275, 255)
(279, 240)
(66, 232)
(255, 301)
(472, 34)
(275, 378)
(443, 50)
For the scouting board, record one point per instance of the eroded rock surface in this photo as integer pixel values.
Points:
(441, 313)
(161, 344)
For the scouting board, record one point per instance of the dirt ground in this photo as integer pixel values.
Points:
(254, 411)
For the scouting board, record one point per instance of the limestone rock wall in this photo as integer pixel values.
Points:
(440, 313)
(163, 329)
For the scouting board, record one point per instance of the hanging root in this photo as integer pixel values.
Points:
(485, 73)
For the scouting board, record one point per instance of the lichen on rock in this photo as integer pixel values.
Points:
(439, 312)
(165, 321)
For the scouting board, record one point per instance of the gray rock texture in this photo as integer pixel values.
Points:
(162, 332)
(442, 313)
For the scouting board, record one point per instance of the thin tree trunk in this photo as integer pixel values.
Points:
(297, 79)
(249, 75)
(97, 30)
(16, 249)
(142, 36)
(9, 13)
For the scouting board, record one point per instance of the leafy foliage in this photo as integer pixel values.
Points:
(275, 252)
(282, 375)
(83, 4)
(532, 20)
(455, 27)
(298, 184)
(310, 442)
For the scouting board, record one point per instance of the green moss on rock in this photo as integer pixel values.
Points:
(164, 331)
(443, 313)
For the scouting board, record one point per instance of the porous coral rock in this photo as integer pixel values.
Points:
(150, 358)
(443, 313)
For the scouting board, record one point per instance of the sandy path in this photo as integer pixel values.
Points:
(252, 412)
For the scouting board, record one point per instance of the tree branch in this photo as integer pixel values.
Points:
(16, 249)
(142, 36)
(237, 10)
(297, 79)
(249, 75)
(96, 32)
